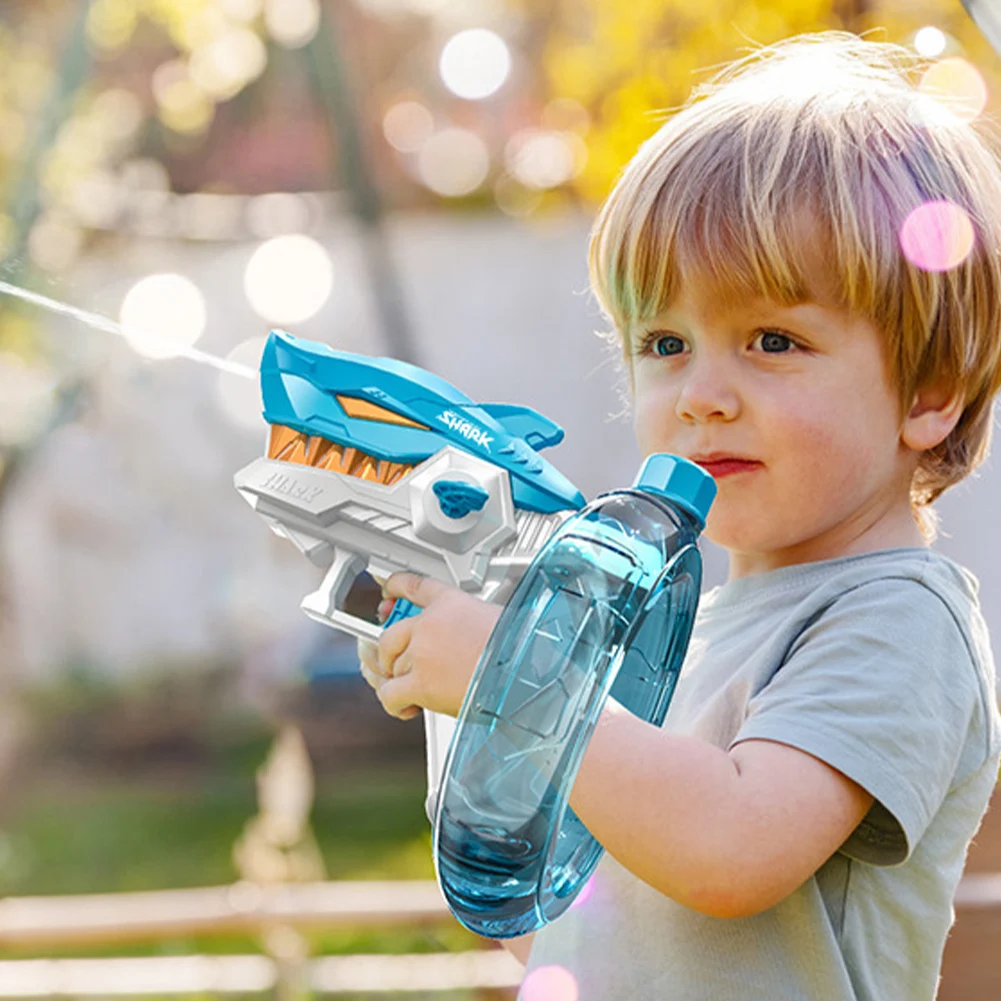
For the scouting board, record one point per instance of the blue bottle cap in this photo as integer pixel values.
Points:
(679, 481)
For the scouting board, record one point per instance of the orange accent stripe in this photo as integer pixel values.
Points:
(354, 407)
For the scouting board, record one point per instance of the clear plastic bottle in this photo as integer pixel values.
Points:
(606, 608)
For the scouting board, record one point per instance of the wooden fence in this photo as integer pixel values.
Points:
(38, 923)
(971, 969)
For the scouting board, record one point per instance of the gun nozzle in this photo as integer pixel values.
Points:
(289, 445)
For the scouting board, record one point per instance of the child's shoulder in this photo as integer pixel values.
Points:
(904, 623)
(912, 609)
(883, 573)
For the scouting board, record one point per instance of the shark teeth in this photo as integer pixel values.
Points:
(288, 445)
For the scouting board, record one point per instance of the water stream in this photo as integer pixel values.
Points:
(100, 322)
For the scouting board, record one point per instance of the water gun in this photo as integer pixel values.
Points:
(375, 464)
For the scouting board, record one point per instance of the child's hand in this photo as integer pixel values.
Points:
(428, 659)
(368, 657)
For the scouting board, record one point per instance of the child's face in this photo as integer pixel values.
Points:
(803, 391)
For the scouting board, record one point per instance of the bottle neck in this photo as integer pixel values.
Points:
(688, 518)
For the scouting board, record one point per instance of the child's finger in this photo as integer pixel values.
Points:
(368, 656)
(374, 681)
(396, 696)
(391, 645)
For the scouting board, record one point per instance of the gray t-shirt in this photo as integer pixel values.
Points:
(880, 665)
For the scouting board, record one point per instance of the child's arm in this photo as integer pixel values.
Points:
(519, 947)
(727, 834)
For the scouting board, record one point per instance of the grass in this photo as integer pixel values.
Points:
(75, 835)
(70, 833)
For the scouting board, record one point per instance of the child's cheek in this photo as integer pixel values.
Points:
(655, 425)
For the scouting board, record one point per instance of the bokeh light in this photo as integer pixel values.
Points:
(96, 200)
(55, 242)
(475, 63)
(239, 398)
(277, 213)
(110, 25)
(205, 215)
(956, 85)
(288, 278)
(120, 113)
(241, 10)
(514, 199)
(197, 26)
(930, 42)
(292, 23)
(582, 898)
(937, 236)
(544, 159)
(163, 314)
(549, 983)
(181, 104)
(144, 174)
(454, 162)
(407, 126)
(226, 64)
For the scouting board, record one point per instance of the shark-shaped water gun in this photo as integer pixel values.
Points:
(375, 464)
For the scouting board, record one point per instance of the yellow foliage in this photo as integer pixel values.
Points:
(629, 64)
(111, 24)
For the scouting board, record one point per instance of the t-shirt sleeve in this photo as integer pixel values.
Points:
(881, 686)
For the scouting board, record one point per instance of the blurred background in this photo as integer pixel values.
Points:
(199, 796)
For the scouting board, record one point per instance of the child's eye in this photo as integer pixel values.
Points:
(662, 344)
(667, 345)
(776, 339)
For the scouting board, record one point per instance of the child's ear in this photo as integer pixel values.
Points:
(935, 412)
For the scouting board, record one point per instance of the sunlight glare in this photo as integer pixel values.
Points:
(289, 278)
(956, 85)
(163, 314)
(475, 63)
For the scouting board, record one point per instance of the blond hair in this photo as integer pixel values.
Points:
(832, 125)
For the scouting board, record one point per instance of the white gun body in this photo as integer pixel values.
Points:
(346, 525)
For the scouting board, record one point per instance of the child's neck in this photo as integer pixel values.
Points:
(886, 534)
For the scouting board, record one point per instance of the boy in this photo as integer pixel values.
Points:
(798, 826)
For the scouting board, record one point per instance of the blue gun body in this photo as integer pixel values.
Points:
(411, 415)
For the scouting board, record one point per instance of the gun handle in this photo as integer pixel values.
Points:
(324, 604)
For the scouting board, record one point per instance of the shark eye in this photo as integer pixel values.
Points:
(354, 407)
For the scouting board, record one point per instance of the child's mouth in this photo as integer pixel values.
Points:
(727, 467)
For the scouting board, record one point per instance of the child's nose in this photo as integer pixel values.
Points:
(709, 391)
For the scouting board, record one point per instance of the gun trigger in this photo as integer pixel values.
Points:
(402, 609)
(324, 604)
